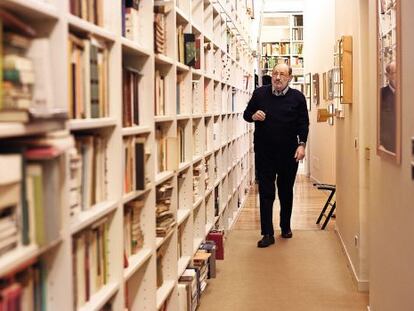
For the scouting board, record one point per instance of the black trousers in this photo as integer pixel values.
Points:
(272, 167)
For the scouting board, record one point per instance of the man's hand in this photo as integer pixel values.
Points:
(300, 153)
(259, 116)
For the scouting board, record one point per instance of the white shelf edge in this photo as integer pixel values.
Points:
(136, 261)
(161, 59)
(208, 153)
(182, 215)
(197, 158)
(101, 297)
(35, 7)
(135, 130)
(23, 254)
(163, 176)
(209, 226)
(164, 291)
(183, 116)
(135, 194)
(182, 67)
(197, 72)
(161, 240)
(196, 244)
(83, 25)
(182, 264)
(209, 191)
(183, 166)
(89, 216)
(198, 202)
(164, 118)
(182, 15)
(83, 124)
(13, 129)
(135, 47)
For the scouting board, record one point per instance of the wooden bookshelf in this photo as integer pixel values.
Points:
(215, 155)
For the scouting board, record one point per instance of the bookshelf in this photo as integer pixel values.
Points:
(151, 155)
(282, 41)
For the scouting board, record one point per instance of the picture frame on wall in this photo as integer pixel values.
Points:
(308, 90)
(315, 88)
(389, 80)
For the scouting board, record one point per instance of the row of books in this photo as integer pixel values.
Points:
(275, 48)
(25, 290)
(135, 174)
(181, 143)
(165, 219)
(130, 97)
(297, 34)
(166, 151)
(197, 139)
(196, 97)
(88, 172)
(188, 48)
(160, 38)
(193, 281)
(197, 186)
(159, 94)
(130, 19)
(88, 77)
(91, 10)
(26, 87)
(297, 20)
(90, 261)
(31, 184)
(133, 234)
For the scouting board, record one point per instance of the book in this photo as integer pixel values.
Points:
(189, 49)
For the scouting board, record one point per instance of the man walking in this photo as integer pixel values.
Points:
(281, 130)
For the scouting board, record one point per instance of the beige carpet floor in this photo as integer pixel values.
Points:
(306, 273)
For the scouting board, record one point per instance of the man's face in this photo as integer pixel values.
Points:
(392, 75)
(280, 77)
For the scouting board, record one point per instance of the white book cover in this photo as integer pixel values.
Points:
(40, 53)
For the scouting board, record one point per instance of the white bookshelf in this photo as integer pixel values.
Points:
(282, 39)
(217, 141)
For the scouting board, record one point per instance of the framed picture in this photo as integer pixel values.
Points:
(325, 86)
(389, 79)
(331, 85)
(308, 90)
(315, 88)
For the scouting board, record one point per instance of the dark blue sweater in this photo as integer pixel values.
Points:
(286, 122)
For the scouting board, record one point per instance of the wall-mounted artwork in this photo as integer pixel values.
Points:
(389, 79)
(324, 86)
(308, 90)
(315, 88)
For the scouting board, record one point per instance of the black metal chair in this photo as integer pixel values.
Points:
(329, 202)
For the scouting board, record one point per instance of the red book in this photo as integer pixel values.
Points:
(11, 297)
(42, 153)
(217, 236)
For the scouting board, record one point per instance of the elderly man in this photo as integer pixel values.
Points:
(281, 130)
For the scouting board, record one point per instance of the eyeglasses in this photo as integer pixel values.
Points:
(281, 74)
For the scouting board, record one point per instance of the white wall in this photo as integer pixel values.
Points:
(391, 211)
(319, 36)
(283, 5)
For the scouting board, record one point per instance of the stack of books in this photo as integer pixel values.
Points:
(133, 234)
(164, 216)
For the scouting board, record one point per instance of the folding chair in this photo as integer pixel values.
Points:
(328, 203)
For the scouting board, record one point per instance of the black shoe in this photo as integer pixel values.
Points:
(266, 241)
(287, 235)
